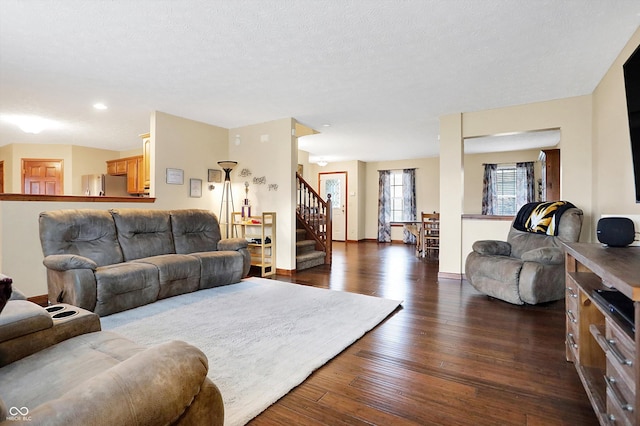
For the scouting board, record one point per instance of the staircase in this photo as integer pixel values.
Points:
(313, 223)
(306, 254)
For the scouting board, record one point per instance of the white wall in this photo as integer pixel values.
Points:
(613, 183)
(193, 147)
(268, 150)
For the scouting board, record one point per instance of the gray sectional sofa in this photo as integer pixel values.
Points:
(110, 261)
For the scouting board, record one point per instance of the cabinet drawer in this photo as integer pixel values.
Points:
(621, 354)
(620, 399)
(571, 290)
(616, 415)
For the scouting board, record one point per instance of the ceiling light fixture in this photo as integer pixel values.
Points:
(100, 106)
(31, 123)
(321, 163)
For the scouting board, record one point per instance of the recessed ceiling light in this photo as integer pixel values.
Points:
(31, 123)
(326, 125)
(100, 105)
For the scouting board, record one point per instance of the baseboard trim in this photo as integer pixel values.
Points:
(450, 276)
(285, 272)
(42, 300)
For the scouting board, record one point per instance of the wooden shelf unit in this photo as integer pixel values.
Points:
(601, 345)
(257, 229)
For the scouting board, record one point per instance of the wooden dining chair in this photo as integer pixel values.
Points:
(430, 234)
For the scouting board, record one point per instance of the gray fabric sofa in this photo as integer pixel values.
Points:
(528, 267)
(110, 261)
(58, 368)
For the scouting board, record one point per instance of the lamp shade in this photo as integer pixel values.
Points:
(227, 166)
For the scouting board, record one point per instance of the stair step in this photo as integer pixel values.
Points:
(301, 234)
(305, 246)
(309, 260)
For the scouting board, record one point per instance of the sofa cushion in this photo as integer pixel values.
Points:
(21, 317)
(86, 232)
(125, 286)
(178, 273)
(220, 268)
(195, 230)
(143, 233)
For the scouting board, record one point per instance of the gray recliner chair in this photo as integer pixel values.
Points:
(529, 266)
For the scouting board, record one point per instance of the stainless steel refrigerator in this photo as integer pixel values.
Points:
(105, 185)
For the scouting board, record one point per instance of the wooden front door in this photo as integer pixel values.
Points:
(41, 176)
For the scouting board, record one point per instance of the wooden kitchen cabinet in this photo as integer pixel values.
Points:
(146, 166)
(133, 168)
(117, 167)
(135, 175)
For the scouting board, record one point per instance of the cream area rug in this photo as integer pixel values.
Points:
(262, 337)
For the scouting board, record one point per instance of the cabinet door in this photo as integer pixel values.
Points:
(117, 167)
(140, 185)
(147, 164)
(132, 176)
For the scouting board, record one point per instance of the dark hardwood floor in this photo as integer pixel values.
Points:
(449, 356)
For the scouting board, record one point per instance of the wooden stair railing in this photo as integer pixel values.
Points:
(315, 215)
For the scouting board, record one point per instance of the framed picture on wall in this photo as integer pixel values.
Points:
(175, 176)
(195, 188)
(214, 175)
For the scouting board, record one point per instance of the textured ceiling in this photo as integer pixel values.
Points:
(380, 72)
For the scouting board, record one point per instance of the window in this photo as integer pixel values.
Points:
(505, 190)
(397, 205)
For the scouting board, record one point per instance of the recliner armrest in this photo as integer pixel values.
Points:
(232, 244)
(65, 262)
(154, 386)
(492, 247)
(20, 318)
(26, 328)
(544, 255)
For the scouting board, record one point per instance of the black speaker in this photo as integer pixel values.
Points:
(616, 231)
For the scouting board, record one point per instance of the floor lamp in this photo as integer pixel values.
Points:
(227, 194)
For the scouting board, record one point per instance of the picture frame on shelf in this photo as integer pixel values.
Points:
(175, 176)
(214, 175)
(195, 188)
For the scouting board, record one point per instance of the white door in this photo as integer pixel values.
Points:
(336, 185)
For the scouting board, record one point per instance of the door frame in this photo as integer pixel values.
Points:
(346, 196)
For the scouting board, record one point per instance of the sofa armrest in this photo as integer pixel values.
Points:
(492, 247)
(544, 255)
(31, 328)
(20, 318)
(155, 386)
(232, 244)
(66, 262)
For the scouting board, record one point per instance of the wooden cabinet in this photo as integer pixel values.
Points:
(135, 175)
(260, 231)
(550, 159)
(146, 161)
(136, 168)
(133, 168)
(601, 344)
(117, 167)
